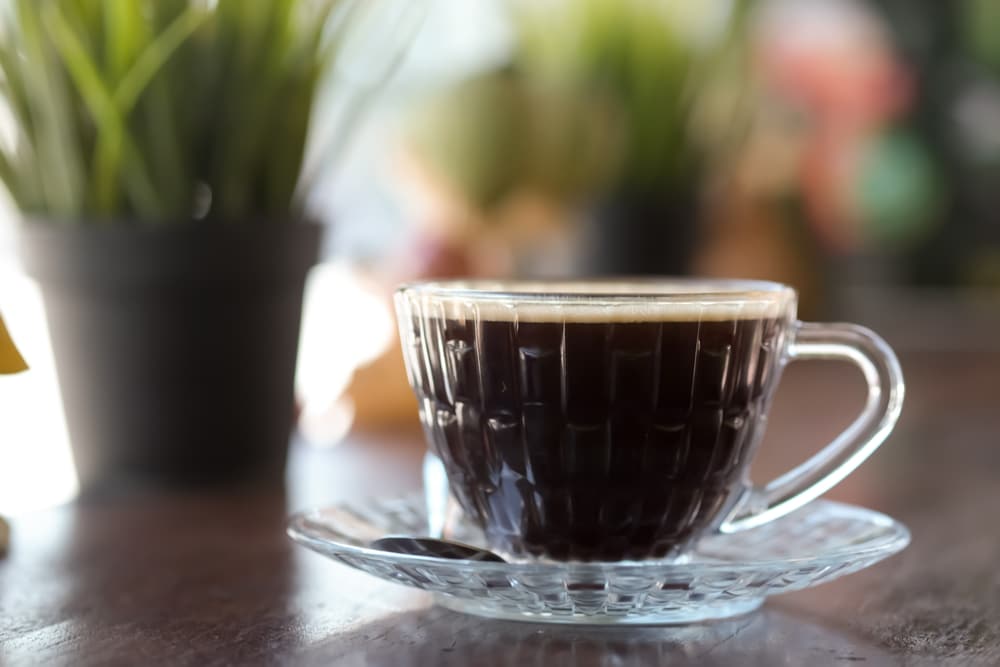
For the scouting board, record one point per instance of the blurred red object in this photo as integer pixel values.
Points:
(835, 63)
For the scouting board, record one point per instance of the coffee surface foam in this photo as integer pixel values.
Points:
(606, 302)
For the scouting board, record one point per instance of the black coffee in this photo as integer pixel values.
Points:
(595, 441)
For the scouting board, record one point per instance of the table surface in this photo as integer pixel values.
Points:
(209, 578)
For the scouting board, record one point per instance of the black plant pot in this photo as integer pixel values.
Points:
(642, 234)
(175, 346)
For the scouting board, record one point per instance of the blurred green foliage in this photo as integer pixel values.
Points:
(954, 50)
(497, 132)
(642, 60)
(599, 97)
(980, 20)
(161, 110)
(898, 188)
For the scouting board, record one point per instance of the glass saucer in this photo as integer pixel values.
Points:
(726, 575)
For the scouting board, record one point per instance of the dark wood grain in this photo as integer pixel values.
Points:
(210, 578)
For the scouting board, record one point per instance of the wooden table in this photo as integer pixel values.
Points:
(211, 579)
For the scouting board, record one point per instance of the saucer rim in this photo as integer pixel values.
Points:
(895, 541)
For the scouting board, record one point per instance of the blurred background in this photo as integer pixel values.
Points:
(850, 148)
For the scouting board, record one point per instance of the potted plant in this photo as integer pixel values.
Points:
(155, 148)
(613, 106)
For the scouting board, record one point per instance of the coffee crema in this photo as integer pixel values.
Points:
(581, 432)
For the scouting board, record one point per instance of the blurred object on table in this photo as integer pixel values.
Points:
(11, 360)
(829, 82)
(349, 361)
(36, 464)
(876, 141)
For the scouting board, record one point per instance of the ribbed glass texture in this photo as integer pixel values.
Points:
(724, 575)
(569, 437)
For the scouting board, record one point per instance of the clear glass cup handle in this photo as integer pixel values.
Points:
(837, 460)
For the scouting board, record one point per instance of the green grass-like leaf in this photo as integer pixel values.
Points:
(632, 57)
(132, 109)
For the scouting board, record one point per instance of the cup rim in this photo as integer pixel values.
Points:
(603, 290)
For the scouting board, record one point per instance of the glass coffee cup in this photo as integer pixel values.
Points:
(617, 420)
